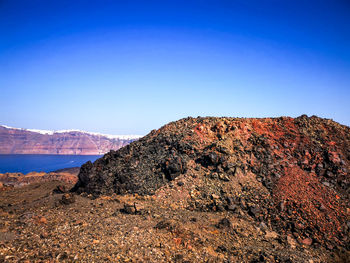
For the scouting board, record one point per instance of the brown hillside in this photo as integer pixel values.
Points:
(292, 174)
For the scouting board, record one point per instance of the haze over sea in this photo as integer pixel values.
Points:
(25, 163)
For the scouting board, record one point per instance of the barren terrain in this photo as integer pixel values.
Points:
(196, 190)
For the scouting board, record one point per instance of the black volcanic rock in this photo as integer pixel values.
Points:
(138, 168)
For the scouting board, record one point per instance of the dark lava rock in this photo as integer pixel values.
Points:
(140, 167)
(132, 208)
(180, 183)
(221, 249)
(60, 189)
(254, 211)
(168, 224)
(129, 209)
(212, 158)
(68, 199)
(223, 223)
(173, 168)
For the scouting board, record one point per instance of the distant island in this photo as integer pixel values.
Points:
(75, 142)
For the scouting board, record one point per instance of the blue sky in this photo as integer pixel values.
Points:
(127, 67)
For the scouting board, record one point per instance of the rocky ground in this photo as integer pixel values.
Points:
(40, 223)
(67, 175)
(196, 190)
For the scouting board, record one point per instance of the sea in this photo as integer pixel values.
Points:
(25, 163)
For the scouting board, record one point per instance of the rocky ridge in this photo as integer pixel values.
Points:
(289, 175)
(22, 141)
(67, 175)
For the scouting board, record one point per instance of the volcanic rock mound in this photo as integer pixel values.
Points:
(290, 174)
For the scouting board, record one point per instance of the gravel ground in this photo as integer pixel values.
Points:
(39, 225)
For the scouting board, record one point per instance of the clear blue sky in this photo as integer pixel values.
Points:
(127, 67)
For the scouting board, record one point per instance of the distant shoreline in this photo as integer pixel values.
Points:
(67, 142)
(47, 154)
(26, 163)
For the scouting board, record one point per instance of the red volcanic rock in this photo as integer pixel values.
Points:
(21, 141)
(306, 241)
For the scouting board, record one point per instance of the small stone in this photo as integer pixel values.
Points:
(68, 199)
(178, 258)
(42, 220)
(329, 174)
(329, 246)
(129, 209)
(271, 234)
(194, 194)
(220, 208)
(213, 158)
(325, 183)
(254, 211)
(291, 241)
(263, 226)
(224, 177)
(139, 207)
(132, 208)
(232, 207)
(60, 189)
(167, 224)
(44, 235)
(223, 223)
(306, 241)
(62, 256)
(214, 175)
(214, 196)
(322, 207)
(221, 248)
(299, 226)
(180, 183)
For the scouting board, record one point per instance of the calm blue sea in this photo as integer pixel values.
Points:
(25, 163)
